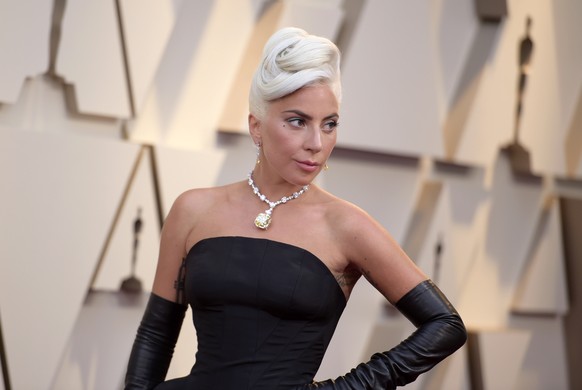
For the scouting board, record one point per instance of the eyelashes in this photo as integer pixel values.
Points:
(327, 127)
(296, 122)
(330, 126)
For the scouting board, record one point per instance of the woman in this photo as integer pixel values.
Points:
(268, 264)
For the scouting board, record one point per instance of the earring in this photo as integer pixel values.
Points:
(258, 145)
(325, 167)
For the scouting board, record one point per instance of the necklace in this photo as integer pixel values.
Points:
(263, 220)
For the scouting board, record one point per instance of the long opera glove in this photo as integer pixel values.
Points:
(440, 332)
(154, 343)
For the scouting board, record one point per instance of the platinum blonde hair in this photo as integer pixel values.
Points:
(293, 59)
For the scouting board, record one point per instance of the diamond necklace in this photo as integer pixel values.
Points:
(263, 220)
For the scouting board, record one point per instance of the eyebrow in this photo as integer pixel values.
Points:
(309, 117)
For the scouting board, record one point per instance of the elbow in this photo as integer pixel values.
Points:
(457, 332)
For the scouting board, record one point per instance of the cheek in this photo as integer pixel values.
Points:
(281, 142)
(284, 138)
(330, 142)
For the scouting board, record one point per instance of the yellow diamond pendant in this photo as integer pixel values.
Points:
(263, 221)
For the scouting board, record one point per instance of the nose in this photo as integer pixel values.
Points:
(313, 140)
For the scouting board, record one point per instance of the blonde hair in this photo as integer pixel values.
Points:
(293, 59)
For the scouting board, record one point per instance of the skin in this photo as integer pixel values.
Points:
(297, 136)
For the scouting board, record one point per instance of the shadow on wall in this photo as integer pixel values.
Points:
(571, 210)
(467, 88)
(573, 142)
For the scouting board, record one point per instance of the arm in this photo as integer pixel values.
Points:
(162, 320)
(154, 343)
(440, 330)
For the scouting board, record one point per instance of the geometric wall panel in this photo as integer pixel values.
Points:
(497, 358)
(455, 242)
(42, 107)
(511, 214)
(187, 86)
(308, 16)
(59, 194)
(375, 177)
(234, 118)
(452, 373)
(573, 141)
(388, 332)
(550, 95)
(120, 261)
(544, 364)
(381, 107)
(439, 240)
(97, 352)
(147, 28)
(24, 44)
(468, 83)
(90, 58)
(543, 286)
(491, 10)
(182, 170)
(571, 216)
(419, 238)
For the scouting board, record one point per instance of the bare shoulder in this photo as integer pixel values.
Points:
(188, 208)
(349, 220)
(372, 250)
(192, 203)
(350, 225)
(199, 197)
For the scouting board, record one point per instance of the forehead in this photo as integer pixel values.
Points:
(313, 99)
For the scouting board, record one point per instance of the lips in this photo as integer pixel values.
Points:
(307, 165)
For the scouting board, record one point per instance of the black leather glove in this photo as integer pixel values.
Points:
(154, 343)
(440, 332)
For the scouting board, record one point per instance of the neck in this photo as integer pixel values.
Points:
(273, 186)
(263, 220)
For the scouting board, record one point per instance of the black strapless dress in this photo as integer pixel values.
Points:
(264, 313)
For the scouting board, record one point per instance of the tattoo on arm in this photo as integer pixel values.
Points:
(347, 278)
(179, 283)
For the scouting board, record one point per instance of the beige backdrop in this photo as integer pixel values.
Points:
(148, 99)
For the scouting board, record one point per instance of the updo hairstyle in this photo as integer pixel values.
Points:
(293, 59)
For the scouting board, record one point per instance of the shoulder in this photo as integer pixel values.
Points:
(371, 249)
(188, 209)
(350, 225)
(348, 219)
(193, 201)
(360, 234)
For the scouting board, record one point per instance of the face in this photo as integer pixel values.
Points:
(298, 133)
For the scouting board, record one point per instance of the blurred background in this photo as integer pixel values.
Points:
(460, 132)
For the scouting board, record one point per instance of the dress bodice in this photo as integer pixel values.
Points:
(264, 312)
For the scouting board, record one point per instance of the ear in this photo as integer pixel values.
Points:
(255, 129)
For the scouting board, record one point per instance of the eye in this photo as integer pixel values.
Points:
(330, 126)
(296, 122)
